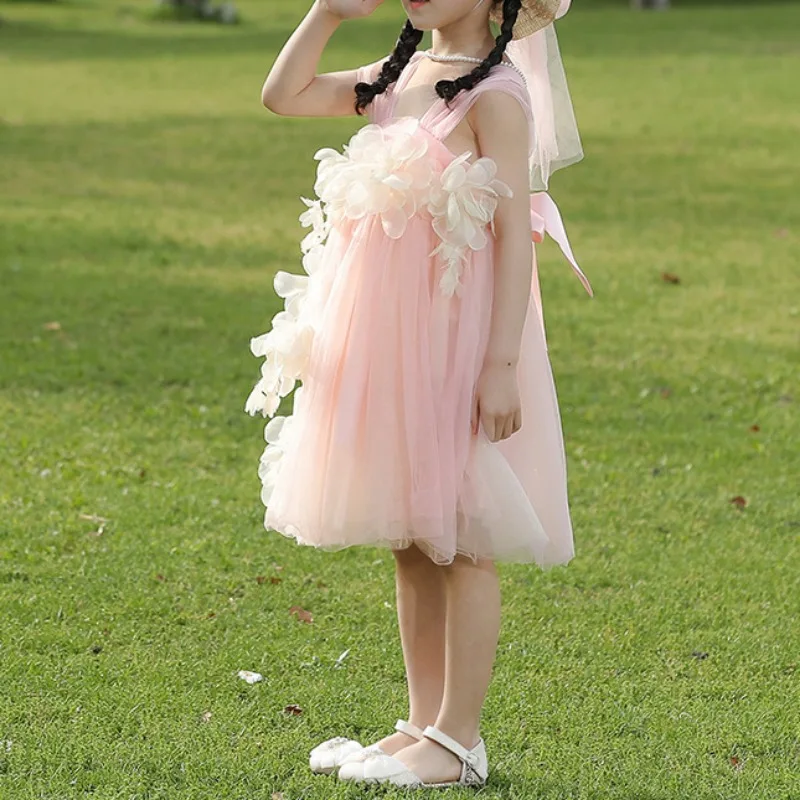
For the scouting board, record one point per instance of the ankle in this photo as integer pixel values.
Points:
(422, 721)
(466, 735)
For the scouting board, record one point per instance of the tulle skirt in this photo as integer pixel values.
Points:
(380, 450)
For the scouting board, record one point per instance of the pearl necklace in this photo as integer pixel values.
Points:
(472, 60)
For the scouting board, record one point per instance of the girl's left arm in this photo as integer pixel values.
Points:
(501, 127)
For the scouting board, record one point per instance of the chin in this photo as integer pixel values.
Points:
(423, 18)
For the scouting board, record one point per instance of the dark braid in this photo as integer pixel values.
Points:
(447, 90)
(406, 46)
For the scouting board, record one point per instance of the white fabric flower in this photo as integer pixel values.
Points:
(462, 205)
(286, 349)
(381, 172)
(313, 217)
(277, 434)
(293, 289)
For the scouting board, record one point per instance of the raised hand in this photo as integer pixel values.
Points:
(350, 9)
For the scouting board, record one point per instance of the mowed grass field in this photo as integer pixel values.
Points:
(147, 199)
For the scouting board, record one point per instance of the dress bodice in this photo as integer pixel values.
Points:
(397, 170)
(440, 119)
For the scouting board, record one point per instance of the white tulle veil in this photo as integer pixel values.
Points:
(555, 141)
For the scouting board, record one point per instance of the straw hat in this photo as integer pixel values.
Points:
(533, 16)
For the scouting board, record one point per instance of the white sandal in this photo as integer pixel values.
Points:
(388, 769)
(352, 766)
(325, 758)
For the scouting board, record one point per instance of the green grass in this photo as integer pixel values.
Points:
(146, 201)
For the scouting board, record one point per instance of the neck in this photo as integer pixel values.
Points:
(466, 37)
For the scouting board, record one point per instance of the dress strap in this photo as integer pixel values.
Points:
(443, 120)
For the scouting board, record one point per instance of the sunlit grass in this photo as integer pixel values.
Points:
(147, 199)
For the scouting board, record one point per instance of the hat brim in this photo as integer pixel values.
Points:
(533, 16)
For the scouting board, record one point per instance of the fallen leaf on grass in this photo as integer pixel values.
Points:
(52, 326)
(670, 277)
(101, 522)
(160, 577)
(739, 501)
(301, 614)
(736, 762)
(260, 579)
(755, 428)
(250, 677)
(206, 717)
(293, 710)
(277, 796)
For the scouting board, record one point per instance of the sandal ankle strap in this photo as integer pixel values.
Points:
(408, 729)
(468, 757)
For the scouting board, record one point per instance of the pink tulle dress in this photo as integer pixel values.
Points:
(386, 330)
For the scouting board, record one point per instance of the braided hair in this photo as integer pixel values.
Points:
(406, 46)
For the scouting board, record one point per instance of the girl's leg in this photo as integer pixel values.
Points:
(472, 630)
(421, 615)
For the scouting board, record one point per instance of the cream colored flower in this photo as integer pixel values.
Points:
(381, 172)
(462, 204)
(466, 201)
(293, 289)
(313, 217)
(286, 350)
(277, 434)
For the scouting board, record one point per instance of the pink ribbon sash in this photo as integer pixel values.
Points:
(546, 218)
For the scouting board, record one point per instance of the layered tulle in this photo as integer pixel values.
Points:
(387, 333)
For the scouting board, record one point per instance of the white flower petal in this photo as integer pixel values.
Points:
(257, 401)
(273, 430)
(287, 284)
(394, 221)
(312, 260)
(325, 153)
(481, 172)
(454, 215)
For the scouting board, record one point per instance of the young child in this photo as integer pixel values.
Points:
(418, 337)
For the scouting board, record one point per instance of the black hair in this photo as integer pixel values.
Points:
(406, 46)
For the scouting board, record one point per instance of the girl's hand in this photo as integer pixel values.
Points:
(496, 404)
(349, 9)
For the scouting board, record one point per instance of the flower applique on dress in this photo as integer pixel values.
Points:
(387, 172)
(386, 331)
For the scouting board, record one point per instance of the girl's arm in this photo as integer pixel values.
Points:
(292, 87)
(501, 127)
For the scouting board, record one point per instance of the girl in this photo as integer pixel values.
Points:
(417, 334)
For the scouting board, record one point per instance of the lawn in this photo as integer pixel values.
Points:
(146, 200)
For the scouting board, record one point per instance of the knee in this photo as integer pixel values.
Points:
(464, 565)
(411, 557)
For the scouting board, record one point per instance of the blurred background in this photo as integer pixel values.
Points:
(146, 201)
